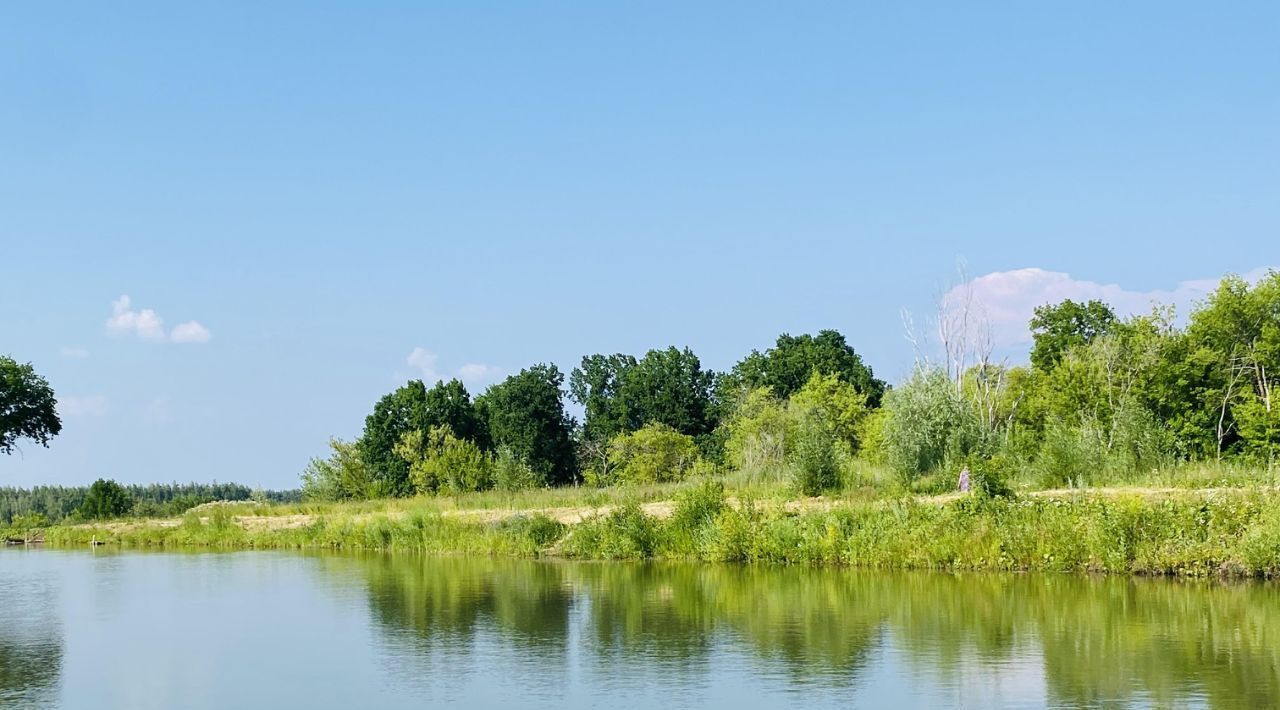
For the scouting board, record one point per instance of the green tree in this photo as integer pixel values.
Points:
(787, 366)
(1235, 337)
(28, 409)
(621, 394)
(654, 453)
(105, 499)
(757, 432)
(836, 403)
(440, 462)
(413, 407)
(669, 387)
(526, 413)
(926, 422)
(343, 476)
(1056, 329)
(596, 385)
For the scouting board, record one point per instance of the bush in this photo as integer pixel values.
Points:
(653, 454)
(512, 473)
(343, 476)
(926, 420)
(757, 433)
(814, 459)
(442, 463)
(1070, 455)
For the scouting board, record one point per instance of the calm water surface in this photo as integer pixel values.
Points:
(82, 629)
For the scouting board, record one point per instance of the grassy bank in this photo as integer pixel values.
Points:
(1190, 532)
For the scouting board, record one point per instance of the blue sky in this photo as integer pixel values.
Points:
(330, 198)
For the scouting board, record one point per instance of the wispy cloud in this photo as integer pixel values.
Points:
(479, 373)
(475, 374)
(424, 361)
(87, 406)
(190, 332)
(1007, 299)
(146, 324)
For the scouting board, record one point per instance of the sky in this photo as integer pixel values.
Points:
(227, 228)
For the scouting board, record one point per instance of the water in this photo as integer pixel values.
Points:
(82, 629)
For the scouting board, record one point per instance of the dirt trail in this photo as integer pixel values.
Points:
(571, 515)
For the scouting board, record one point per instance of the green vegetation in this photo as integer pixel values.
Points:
(1187, 533)
(56, 504)
(680, 462)
(28, 409)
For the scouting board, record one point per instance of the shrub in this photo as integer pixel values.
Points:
(925, 421)
(653, 454)
(440, 462)
(343, 476)
(814, 459)
(1070, 455)
(512, 473)
(757, 433)
(836, 402)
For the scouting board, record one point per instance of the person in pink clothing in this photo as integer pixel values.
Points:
(964, 480)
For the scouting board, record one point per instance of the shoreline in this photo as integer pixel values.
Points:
(1233, 533)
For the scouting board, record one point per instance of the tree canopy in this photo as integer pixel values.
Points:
(621, 394)
(525, 413)
(28, 409)
(787, 366)
(1055, 329)
(413, 407)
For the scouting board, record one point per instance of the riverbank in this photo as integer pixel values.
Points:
(1206, 532)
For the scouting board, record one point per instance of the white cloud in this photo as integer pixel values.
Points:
(74, 352)
(190, 332)
(148, 325)
(87, 406)
(472, 373)
(425, 361)
(478, 373)
(1008, 298)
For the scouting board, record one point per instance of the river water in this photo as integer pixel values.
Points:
(95, 629)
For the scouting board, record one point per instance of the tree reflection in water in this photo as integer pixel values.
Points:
(1096, 640)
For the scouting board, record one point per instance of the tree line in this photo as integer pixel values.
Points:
(1101, 393)
(108, 499)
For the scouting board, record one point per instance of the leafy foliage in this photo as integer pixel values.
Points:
(105, 499)
(526, 414)
(415, 408)
(793, 360)
(655, 453)
(28, 409)
(621, 394)
(440, 462)
(1056, 329)
(345, 475)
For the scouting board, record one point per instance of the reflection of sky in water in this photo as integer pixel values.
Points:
(106, 630)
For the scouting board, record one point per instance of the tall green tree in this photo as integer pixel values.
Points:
(1055, 329)
(415, 408)
(1234, 336)
(621, 394)
(596, 384)
(787, 366)
(105, 499)
(669, 387)
(526, 414)
(28, 409)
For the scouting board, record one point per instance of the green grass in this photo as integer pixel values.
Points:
(1191, 533)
